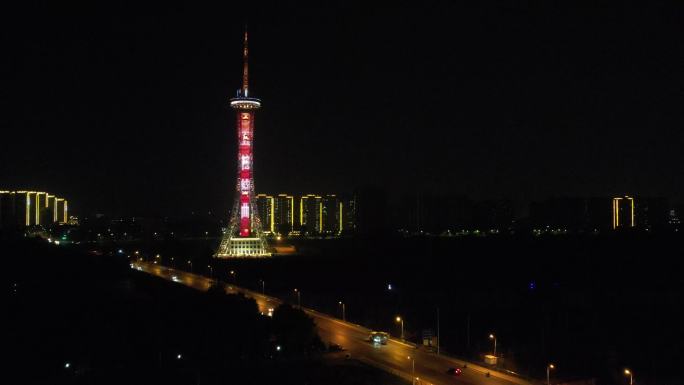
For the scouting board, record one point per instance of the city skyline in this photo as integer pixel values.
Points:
(512, 113)
(431, 193)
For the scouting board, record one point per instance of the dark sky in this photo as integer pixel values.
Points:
(123, 109)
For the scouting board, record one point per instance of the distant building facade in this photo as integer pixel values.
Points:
(266, 209)
(444, 214)
(673, 221)
(652, 213)
(623, 212)
(599, 214)
(369, 212)
(284, 214)
(20, 209)
(307, 214)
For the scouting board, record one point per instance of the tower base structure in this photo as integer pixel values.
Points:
(239, 247)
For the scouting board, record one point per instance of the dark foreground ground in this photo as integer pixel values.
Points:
(592, 305)
(73, 317)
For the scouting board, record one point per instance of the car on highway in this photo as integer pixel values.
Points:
(175, 279)
(378, 338)
(454, 371)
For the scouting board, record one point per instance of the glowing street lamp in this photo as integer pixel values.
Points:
(548, 371)
(492, 337)
(190, 263)
(211, 271)
(233, 274)
(413, 369)
(631, 376)
(299, 298)
(401, 320)
(344, 316)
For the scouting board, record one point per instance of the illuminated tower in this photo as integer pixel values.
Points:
(244, 236)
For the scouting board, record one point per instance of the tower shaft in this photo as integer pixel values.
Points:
(245, 125)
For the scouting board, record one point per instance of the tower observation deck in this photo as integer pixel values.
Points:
(244, 236)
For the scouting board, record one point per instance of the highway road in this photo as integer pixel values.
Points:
(393, 357)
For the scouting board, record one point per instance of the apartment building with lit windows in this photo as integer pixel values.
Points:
(31, 208)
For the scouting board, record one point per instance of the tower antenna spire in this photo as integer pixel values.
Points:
(245, 66)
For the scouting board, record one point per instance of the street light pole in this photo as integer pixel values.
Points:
(413, 369)
(344, 317)
(548, 375)
(491, 336)
(263, 286)
(211, 272)
(190, 262)
(399, 319)
(631, 376)
(438, 331)
(299, 298)
(232, 272)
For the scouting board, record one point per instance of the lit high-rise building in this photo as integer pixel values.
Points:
(284, 214)
(311, 214)
(50, 212)
(62, 210)
(277, 213)
(348, 213)
(332, 214)
(31, 208)
(623, 212)
(266, 207)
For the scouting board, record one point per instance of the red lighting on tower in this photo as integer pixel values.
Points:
(243, 236)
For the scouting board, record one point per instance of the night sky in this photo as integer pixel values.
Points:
(124, 110)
